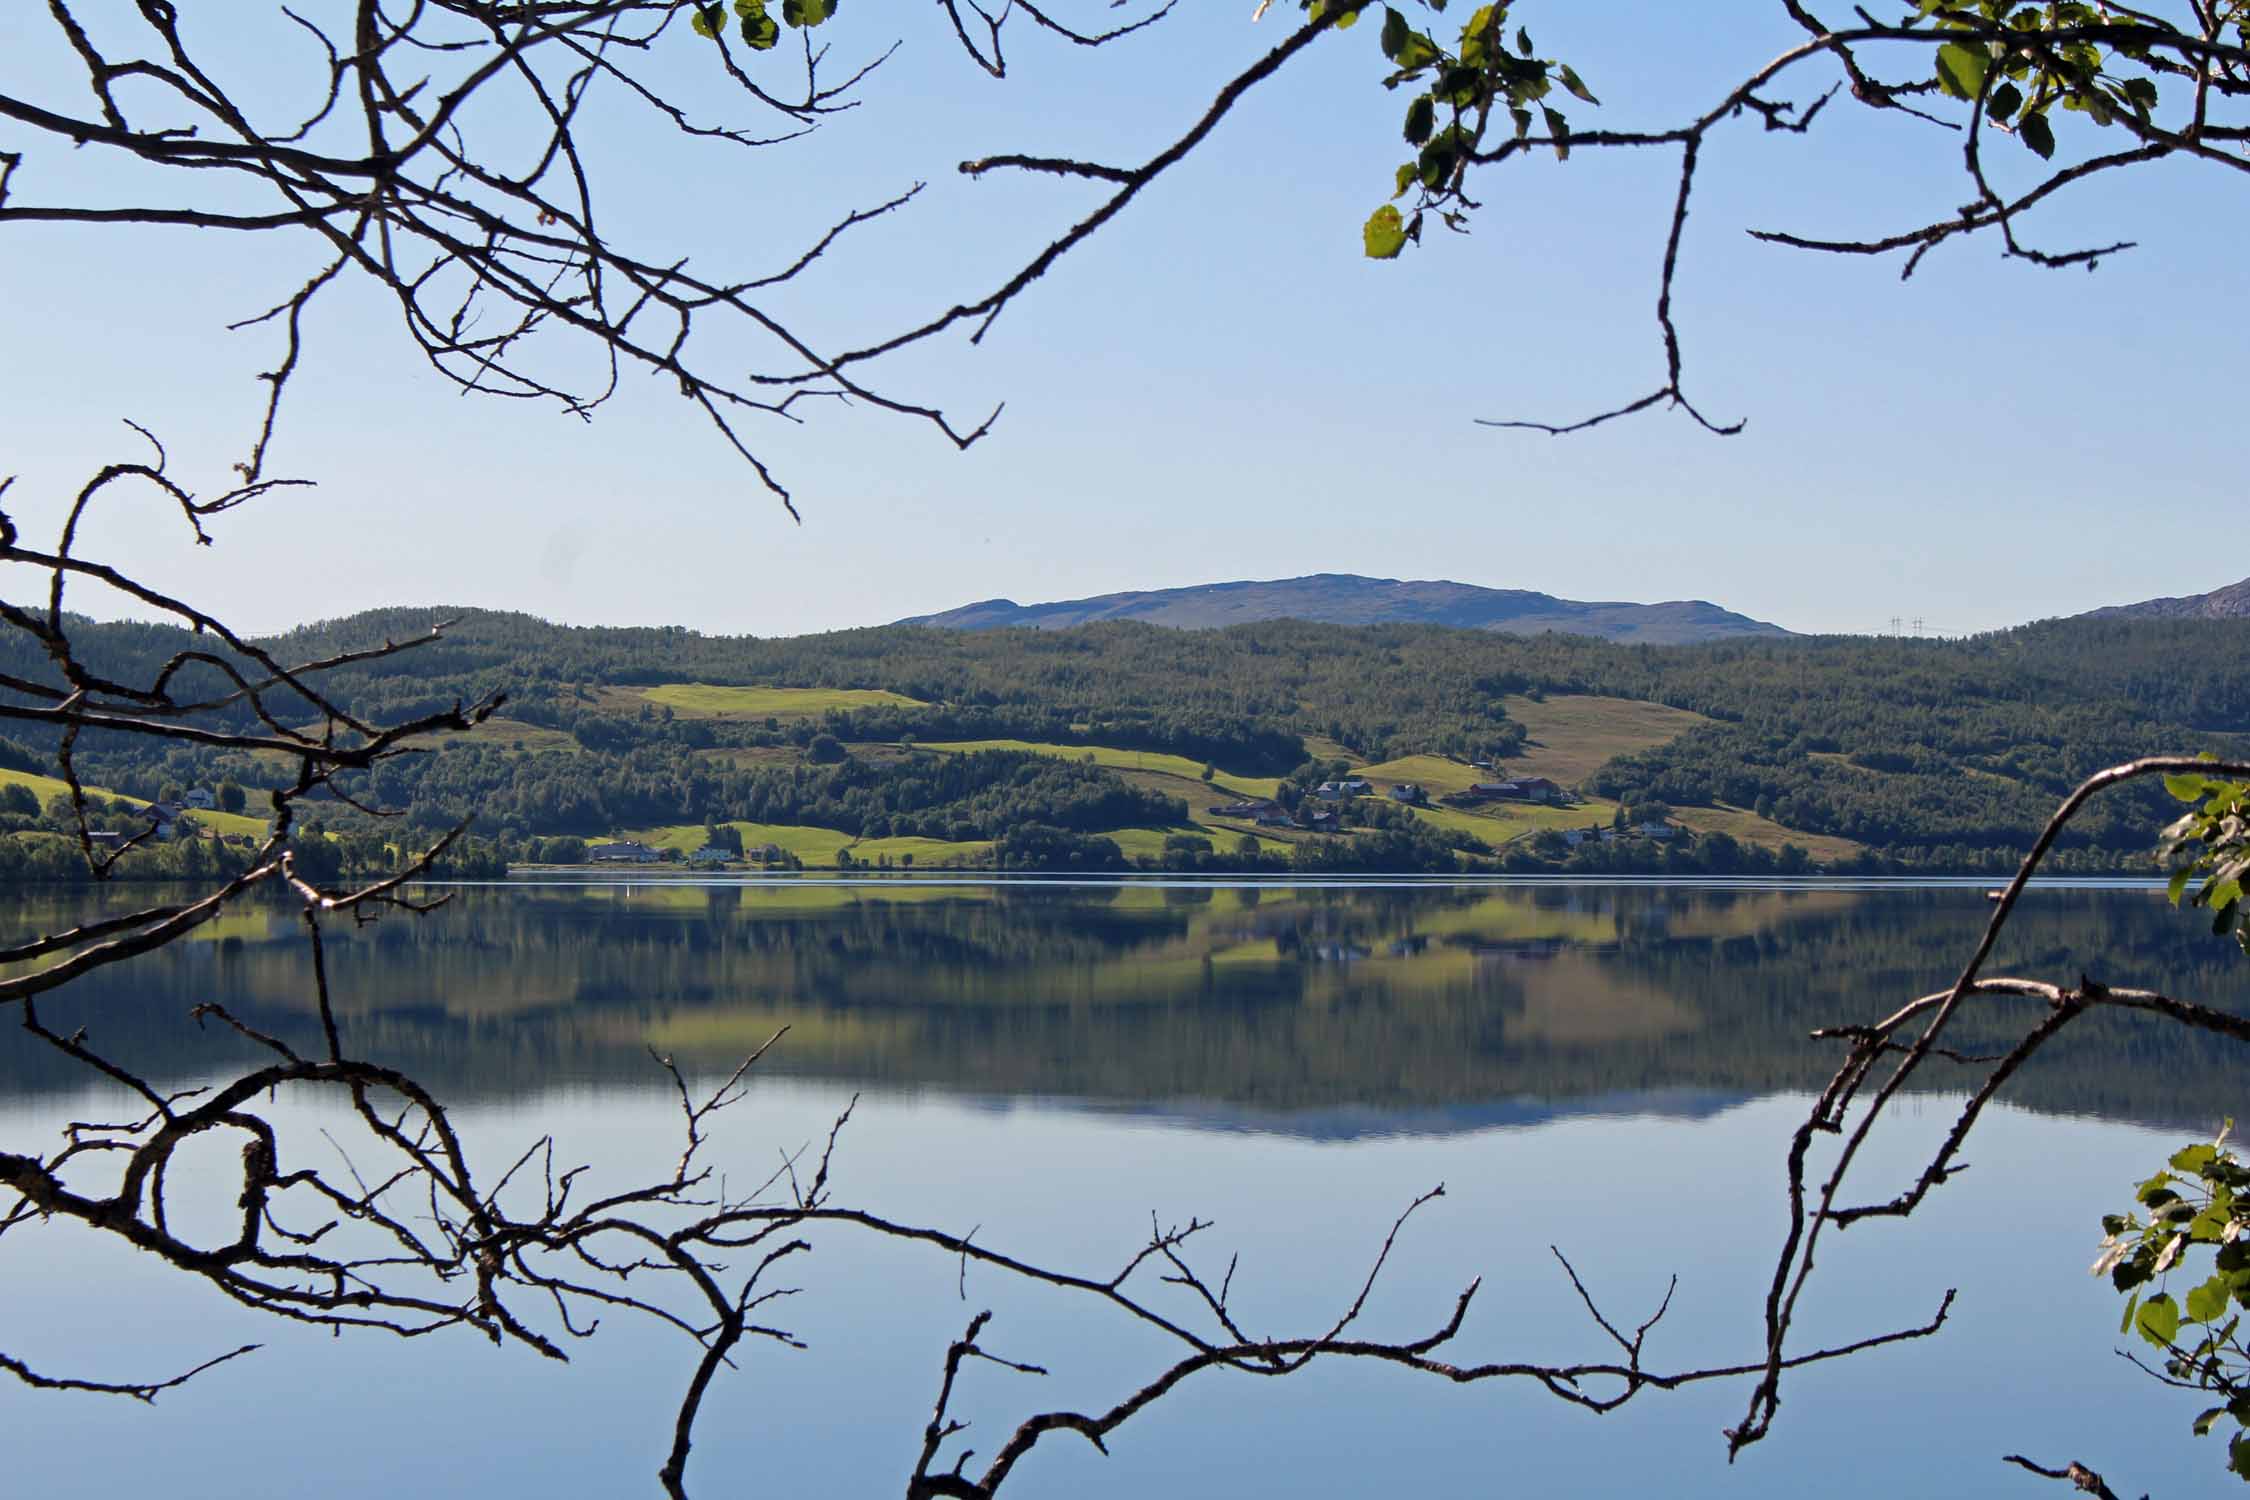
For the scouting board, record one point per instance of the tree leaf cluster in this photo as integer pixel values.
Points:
(2191, 1219)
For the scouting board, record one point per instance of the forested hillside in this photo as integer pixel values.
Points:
(1918, 754)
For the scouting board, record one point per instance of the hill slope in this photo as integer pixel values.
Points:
(2229, 603)
(1348, 599)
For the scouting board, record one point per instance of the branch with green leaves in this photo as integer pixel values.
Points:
(1854, 1102)
(1979, 69)
(2197, 1226)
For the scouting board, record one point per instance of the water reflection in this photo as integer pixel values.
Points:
(1322, 1011)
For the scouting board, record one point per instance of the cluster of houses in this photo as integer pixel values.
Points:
(161, 820)
(1270, 814)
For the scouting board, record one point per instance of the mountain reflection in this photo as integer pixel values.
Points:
(1311, 1009)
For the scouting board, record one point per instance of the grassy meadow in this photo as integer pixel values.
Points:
(1127, 760)
(1568, 738)
(44, 787)
(818, 847)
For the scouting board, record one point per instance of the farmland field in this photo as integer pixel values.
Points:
(818, 846)
(1438, 774)
(1126, 760)
(515, 734)
(1748, 827)
(1499, 822)
(44, 787)
(1571, 736)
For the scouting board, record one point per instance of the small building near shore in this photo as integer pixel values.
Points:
(623, 852)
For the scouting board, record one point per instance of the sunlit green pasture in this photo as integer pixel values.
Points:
(44, 787)
(819, 846)
(1126, 760)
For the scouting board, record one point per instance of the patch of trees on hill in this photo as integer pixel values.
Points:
(984, 795)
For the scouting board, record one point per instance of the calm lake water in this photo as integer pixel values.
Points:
(1610, 1069)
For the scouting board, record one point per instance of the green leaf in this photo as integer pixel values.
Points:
(1395, 32)
(759, 30)
(2038, 135)
(1407, 172)
(2187, 786)
(2193, 1159)
(1960, 70)
(2159, 1320)
(1421, 119)
(1572, 82)
(2204, 1422)
(706, 22)
(2003, 101)
(1558, 127)
(2208, 1303)
(2132, 1306)
(1385, 234)
(806, 12)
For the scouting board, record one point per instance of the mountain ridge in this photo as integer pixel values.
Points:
(1354, 599)
(2231, 602)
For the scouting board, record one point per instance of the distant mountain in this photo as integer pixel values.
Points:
(2229, 603)
(1348, 599)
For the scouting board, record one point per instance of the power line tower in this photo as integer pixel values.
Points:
(1917, 627)
(1895, 623)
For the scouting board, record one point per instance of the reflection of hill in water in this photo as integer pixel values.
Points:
(1316, 1010)
(1365, 1122)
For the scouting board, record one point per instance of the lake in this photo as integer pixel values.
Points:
(1610, 1069)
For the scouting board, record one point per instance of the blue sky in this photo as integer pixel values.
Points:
(1219, 385)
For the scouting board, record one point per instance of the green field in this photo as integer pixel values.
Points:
(1148, 843)
(1505, 821)
(1749, 828)
(1128, 760)
(1436, 774)
(515, 734)
(1571, 736)
(818, 847)
(44, 787)
(706, 701)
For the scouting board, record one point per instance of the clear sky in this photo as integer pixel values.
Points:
(1218, 386)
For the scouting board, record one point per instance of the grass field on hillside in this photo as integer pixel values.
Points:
(1433, 772)
(1498, 823)
(1571, 736)
(1748, 827)
(515, 734)
(819, 846)
(44, 787)
(705, 701)
(1127, 760)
